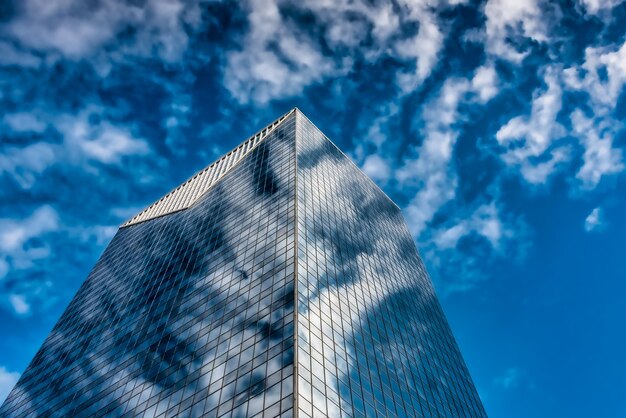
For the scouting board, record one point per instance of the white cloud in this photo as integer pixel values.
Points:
(484, 221)
(24, 122)
(19, 304)
(600, 158)
(278, 59)
(7, 381)
(532, 143)
(593, 221)
(102, 142)
(54, 25)
(525, 138)
(10, 55)
(489, 232)
(83, 143)
(377, 131)
(376, 168)
(104, 34)
(15, 251)
(595, 7)
(15, 233)
(513, 21)
(77, 30)
(370, 150)
(385, 21)
(424, 49)
(485, 83)
(432, 172)
(448, 238)
(25, 164)
(25, 245)
(538, 172)
(603, 76)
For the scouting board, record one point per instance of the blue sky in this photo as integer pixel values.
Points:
(497, 126)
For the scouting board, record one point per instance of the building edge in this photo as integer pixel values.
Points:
(369, 179)
(295, 269)
(184, 202)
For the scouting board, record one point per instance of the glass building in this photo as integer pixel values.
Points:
(278, 281)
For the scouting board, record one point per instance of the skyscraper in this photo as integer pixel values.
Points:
(277, 281)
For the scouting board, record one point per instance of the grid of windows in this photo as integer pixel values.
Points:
(372, 339)
(192, 314)
(189, 314)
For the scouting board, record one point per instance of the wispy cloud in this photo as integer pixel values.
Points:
(15, 234)
(428, 173)
(28, 256)
(99, 31)
(278, 57)
(7, 381)
(602, 75)
(24, 122)
(484, 221)
(593, 221)
(510, 24)
(19, 304)
(68, 160)
(140, 72)
(510, 379)
(377, 168)
(101, 142)
(432, 171)
(21, 246)
(526, 139)
(600, 157)
(86, 139)
(461, 249)
(423, 48)
(595, 7)
(10, 55)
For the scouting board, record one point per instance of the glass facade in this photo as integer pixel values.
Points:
(372, 340)
(189, 314)
(197, 312)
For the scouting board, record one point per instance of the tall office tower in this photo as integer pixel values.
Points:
(279, 281)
